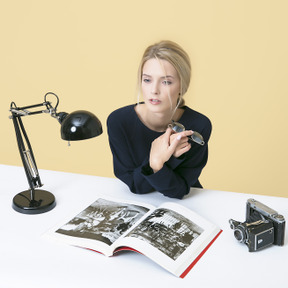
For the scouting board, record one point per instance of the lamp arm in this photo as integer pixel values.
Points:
(26, 153)
(24, 146)
(23, 111)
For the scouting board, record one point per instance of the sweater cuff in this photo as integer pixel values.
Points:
(174, 162)
(161, 180)
(147, 170)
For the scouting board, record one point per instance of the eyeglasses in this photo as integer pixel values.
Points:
(195, 137)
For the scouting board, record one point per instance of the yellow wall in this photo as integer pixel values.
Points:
(87, 52)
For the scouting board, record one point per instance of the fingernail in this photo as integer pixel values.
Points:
(178, 137)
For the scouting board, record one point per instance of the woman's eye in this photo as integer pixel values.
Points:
(166, 82)
(145, 80)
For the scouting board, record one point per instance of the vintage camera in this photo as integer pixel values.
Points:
(263, 227)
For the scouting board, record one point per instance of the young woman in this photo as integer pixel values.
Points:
(147, 154)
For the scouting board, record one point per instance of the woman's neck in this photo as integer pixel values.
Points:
(156, 121)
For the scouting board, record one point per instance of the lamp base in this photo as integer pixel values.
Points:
(43, 201)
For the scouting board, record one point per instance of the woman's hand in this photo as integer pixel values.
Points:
(166, 145)
(183, 145)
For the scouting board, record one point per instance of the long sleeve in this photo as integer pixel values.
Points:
(125, 167)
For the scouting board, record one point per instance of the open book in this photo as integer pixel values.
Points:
(171, 235)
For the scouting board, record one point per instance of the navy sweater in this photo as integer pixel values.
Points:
(130, 141)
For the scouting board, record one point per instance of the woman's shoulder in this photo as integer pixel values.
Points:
(196, 121)
(122, 114)
(190, 114)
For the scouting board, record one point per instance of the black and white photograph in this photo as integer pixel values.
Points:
(168, 231)
(104, 221)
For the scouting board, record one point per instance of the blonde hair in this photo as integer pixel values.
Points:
(176, 56)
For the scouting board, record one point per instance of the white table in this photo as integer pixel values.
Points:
(29, 260)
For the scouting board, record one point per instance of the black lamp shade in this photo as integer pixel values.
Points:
(80, 125)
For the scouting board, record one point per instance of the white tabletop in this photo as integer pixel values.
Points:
(29, 260)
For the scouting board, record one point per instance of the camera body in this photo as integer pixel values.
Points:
(263, 227)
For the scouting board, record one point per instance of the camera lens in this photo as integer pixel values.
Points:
(239, 235)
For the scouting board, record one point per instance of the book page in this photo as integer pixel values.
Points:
(98, 226)
(171, 235)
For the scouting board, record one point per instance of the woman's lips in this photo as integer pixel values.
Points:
(154, 101)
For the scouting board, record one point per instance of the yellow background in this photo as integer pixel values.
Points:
(87, 52)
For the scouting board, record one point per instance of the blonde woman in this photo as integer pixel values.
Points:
(147, 154)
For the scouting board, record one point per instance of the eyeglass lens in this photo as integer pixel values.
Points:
(195, 137)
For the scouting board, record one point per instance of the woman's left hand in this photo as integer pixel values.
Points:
(183, 144)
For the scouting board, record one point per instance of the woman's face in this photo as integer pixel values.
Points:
(160, 85)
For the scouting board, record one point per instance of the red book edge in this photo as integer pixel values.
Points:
(188, 268)
(199, 256)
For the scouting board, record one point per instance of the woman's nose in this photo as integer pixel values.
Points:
(155, 89)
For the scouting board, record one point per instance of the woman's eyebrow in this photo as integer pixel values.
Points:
(163, 77)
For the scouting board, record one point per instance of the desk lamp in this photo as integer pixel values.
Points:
(75, 126)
